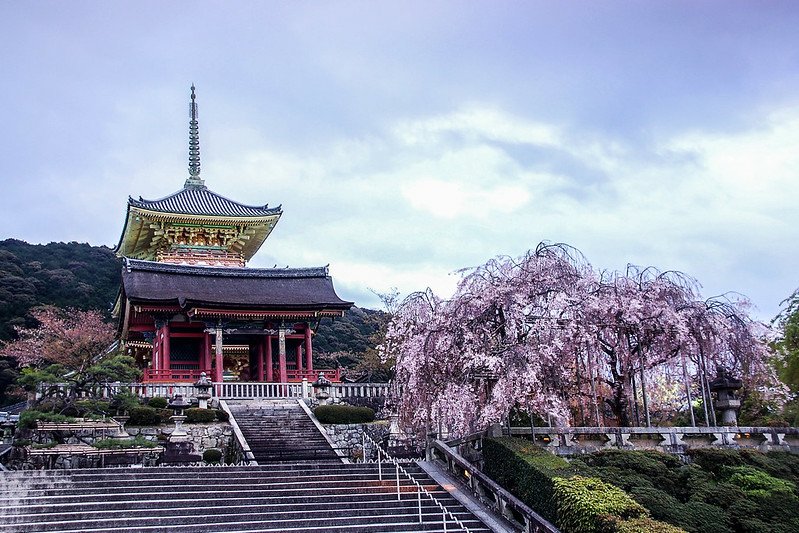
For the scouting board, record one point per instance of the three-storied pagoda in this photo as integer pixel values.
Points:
(188, 303)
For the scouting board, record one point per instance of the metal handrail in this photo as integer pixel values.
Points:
(419, 488)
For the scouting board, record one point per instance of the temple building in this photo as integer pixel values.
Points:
(189, 304)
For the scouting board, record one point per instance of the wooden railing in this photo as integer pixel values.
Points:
(192, 375)
(173, 375)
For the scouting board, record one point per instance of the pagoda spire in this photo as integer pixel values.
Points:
(194, 180)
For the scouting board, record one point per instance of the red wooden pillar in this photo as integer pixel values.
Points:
(156, 351)
(281, 349)
(308, 350)
(298, 355)
(165, 346)
(261, 360)
(269, 364)
(206, 363)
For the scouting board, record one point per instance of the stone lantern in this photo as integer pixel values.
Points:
(724, 386)
(178, 404)
(320, 387)
(203, 387)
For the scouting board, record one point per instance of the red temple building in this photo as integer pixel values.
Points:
(188, 303)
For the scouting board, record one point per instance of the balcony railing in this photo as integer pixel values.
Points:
(192, 375)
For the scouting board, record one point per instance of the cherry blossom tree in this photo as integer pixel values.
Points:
(548, 334)
(68, 347)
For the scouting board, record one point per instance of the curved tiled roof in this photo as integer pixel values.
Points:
(262, 288)
(203, 202)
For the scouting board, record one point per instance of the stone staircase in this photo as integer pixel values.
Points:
(282, 497)
(281, 431)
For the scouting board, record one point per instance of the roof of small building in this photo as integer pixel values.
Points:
(199, 200)
(260, 288)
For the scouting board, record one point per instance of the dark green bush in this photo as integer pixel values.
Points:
(212, 455)
(157, 402)
(222, 416)
(343, 414)
(527, 471)
(196, 415)
(701, 516)
(581, 501)
(713, 460)
(755, 482)
(614, 524)
(165, 415)
(144, 416)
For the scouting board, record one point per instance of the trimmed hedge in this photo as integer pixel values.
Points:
(531, 474)
(144, 416)
(582, 501)
(157, 402)
(222, 416)
(343, 414)
(527, 471)
(196, 415)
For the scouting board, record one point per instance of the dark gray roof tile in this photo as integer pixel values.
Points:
(202, 201)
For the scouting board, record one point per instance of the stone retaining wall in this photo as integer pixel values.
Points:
(201, 437)
(349, 437)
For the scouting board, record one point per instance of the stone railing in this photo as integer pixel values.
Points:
(487, 490)
(577, 440)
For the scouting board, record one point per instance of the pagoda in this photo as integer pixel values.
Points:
(189, 304)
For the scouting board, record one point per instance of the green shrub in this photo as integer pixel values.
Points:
(157, 402)
(700, 516)
(662, 505)
(144, 416)
(343, 414)
(222, 416)
(755, 482)
(212, 455)
(714, 460)
(28, 418)
(614, 524)
(581, 501)
(526, 470)
(196, 415)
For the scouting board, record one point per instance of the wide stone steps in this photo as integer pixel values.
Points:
(297, 497)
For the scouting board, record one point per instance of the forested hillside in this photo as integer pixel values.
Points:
(60, 274)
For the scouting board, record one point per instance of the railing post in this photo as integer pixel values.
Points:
(396, 465)
(444, 519)
(304, 388)
(379, 466)
(419, 500)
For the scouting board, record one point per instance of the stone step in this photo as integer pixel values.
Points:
(234, 478)
(314, 499)
(200, 485)
(240, 516)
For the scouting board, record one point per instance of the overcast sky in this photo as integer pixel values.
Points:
(406, 140)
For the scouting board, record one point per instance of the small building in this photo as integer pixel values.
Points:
(189, 304)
